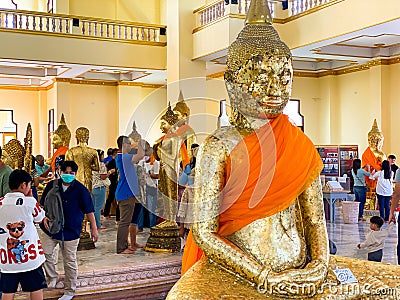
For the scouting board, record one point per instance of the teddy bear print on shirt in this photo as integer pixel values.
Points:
(16, 246)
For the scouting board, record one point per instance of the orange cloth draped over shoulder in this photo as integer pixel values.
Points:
(60, 151)
(280, 162)
(369, 158)
(184, 131)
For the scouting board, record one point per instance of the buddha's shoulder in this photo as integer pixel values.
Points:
(227, 137)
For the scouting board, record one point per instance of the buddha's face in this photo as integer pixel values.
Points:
(7, 159)
(181, 117)
(164, 126)
(376, 142)
(261, 88)
(57, 141)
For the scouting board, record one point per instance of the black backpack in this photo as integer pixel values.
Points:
(54, 209)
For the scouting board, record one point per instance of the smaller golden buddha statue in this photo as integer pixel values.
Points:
(134, 136)
(164, 237)
(60, 141)
(87, 160)
(28, 149)
(373, 156)
(85, 157)
(14, 154)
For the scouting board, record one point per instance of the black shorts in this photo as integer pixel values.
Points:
(30, 281)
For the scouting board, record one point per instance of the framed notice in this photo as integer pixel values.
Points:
(347, 155)
(330, 159)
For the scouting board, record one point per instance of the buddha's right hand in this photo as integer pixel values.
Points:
(295, 282)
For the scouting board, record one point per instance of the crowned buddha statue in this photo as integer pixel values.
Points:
(164, 237)
(60, 142)
(183, 130)
(259, 230)
(87, 160)
(373, 156)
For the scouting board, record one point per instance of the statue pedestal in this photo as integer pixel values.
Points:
(85, 242)
(164, 240)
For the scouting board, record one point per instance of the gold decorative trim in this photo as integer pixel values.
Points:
(216, 75)
(109, 83)
(26, 88)
(143, 85)
(367, 66)
(211, 53)
(85, 37)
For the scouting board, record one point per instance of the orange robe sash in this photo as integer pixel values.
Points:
(60, 151)
(369, 158)
(183, 132)
(280, 162)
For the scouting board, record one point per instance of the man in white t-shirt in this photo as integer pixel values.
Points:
(151, 167)
(21, 253)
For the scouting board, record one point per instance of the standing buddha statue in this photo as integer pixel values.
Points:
(374, 157)
(183, 130)
(85, 157)
(17, 156)
(87, 160)
(164, 237)
(259, 230)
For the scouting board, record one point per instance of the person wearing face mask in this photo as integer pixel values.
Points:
(77, 202)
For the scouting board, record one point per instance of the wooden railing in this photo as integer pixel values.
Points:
(221, 8)
(81, 26)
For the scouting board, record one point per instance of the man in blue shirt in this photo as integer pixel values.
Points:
(77, 202)
(127, 190)
(40, 166)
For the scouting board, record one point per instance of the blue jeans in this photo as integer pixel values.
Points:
(384, 206)
(98, 198)
(138, 217)
(361, 196)
(151, 201)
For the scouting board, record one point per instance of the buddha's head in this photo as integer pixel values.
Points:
(260, 73)
(375, 138)
(134, 136)
(13, 154)
(82, 135)
(168, 120)
(62, 135)
(181, 110)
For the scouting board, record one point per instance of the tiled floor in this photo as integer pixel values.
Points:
(348, 236)
(345, 236)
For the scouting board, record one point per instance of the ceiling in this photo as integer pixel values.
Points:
(42, 74)
(356, 48)
(353, 49)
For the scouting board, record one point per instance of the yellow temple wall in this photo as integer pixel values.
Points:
(25, 105)
(125, 10)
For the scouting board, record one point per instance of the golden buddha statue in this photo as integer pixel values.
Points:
(183, 130)
(134, 136)
(374, 157)
(28, 149)
(85, 157)
(13, 154)
(259, 230)
(60, 142)
(164, 237)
